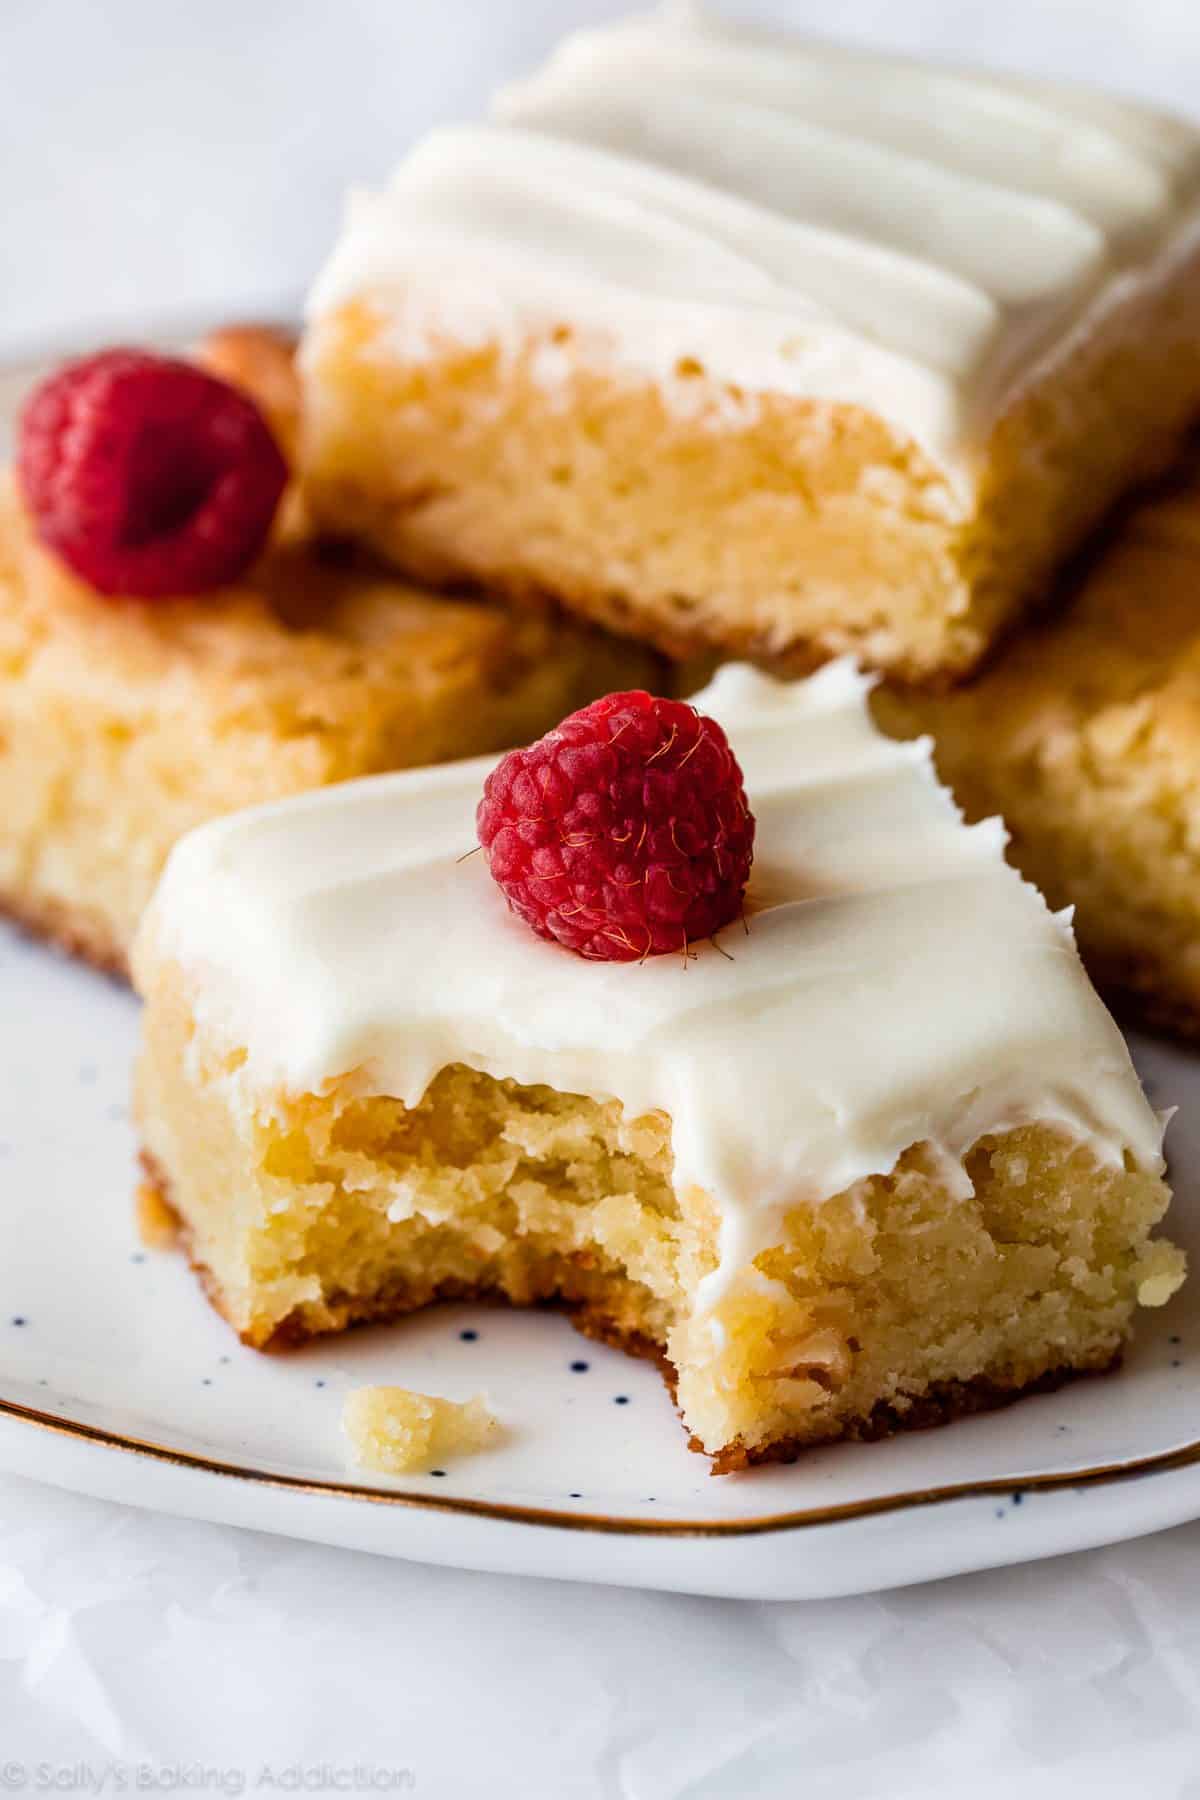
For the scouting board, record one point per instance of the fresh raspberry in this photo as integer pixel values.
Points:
(623, 832)
(147, 475)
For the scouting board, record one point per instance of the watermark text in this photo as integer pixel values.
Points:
(98, 1779)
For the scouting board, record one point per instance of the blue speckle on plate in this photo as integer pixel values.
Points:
(437, 1471)
(580, 1368)
(620, 1399)
(20, 1319)
(468, 1336)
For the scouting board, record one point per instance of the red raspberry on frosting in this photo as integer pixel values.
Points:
(623, 832)
(146, 475)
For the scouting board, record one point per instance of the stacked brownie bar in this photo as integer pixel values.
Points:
(733, 1037)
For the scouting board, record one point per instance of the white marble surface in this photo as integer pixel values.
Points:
(130, 1640)
(157, 156)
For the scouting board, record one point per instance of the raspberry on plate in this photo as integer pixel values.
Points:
(147, 475)
(624, 832)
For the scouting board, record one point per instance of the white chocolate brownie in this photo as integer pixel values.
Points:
(750, 343)
(123, 724)
(881, 1158)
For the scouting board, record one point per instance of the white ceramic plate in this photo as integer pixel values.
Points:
(117, 1379)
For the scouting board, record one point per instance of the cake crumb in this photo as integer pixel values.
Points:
(157, 1224)
(1161, 1275)
(395, 1430)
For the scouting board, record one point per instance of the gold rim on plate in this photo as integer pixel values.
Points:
(14, 374)
(1161, 1463)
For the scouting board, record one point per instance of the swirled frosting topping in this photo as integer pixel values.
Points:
(795, 216)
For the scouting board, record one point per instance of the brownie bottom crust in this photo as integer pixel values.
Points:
(68, 930)
(942, 1404)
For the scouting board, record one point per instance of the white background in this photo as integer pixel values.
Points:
(160, 154)
(164, 157)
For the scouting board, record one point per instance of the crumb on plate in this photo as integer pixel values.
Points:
(395, 1430)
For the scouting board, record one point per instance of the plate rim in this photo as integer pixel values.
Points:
(167, 328)
(607, 1524)
(175, 331)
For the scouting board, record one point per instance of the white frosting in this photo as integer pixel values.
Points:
(797, 216)
(898, 982)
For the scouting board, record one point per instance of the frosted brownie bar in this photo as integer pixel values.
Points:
(773, 347)
(877, 1160)
(125, 724)
(1085, 734)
